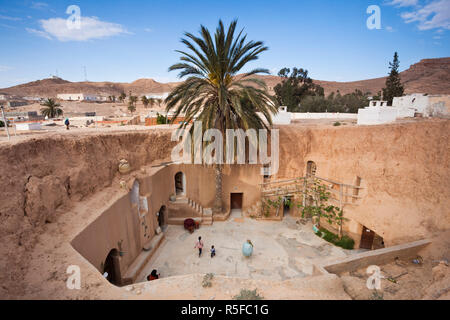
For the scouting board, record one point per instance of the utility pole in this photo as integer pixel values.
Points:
(5, 122)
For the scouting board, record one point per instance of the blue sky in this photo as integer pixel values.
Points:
(127, 40)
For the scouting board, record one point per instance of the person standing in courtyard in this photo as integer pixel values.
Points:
(199, 246)
(213, 252)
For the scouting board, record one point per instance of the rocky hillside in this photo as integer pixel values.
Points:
(430, 76)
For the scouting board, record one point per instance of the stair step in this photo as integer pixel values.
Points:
(180, 221)
(180, 201)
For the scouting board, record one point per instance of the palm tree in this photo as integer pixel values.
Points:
(145, 101)
(212, 92)
(151, 102)
(158, 102)
(52, 109)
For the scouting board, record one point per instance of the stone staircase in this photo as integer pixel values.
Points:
(184, 208)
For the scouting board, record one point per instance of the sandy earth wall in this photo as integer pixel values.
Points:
(404, 167)
(42, 178)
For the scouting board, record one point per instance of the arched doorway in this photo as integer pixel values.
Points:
(180, 184)
(161, 217)
(311, 169)
(112, 267)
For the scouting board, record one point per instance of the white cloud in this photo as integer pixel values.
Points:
(5, 68)
(39, 33)
(389, 29)
(39, 5)
(403, 3)
(7, 26)
(148, 30)
(90, 28)
(9, 18)
(434, 15)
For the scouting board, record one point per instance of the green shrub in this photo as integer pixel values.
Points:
(160, 119)
(337, 124)
(345, 242)
(207, 280)
(2, 124)
(248, 295)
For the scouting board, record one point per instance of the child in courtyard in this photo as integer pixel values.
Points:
(213, 252)
(199, 246)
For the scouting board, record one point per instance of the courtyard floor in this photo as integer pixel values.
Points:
(282, 250)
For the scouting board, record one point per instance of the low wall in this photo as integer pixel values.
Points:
(376, 257)
(327, 115)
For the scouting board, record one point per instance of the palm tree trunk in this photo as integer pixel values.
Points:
(218, 199)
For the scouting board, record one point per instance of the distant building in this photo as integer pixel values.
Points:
(283, 117)
(161, 96)
(437, 105)
(32, 98)
(409, 106)
(16, 104)
(77, 97)
(377, 112)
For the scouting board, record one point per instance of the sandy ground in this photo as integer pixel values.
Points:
(282, 250)
(403, 280)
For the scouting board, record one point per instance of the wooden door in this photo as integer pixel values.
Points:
(367, 239)
(236, 200)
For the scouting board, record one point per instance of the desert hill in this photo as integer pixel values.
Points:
(430, 76)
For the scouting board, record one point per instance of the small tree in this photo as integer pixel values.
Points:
(319, 208)
(122, 97)
(131, 107)
(318, 195)
(52, 109)
(132, 103)
(394, 87)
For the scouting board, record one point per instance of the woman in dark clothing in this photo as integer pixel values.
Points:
(153, 276)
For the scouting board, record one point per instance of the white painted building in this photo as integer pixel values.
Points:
(161, 96)
(426, 105)
(405, 107)
(77, 97)
(377, 113)
(283, 117)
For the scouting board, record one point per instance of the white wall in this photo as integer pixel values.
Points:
(70, 96)
(77, 97)
(376, 115)
(408, 105)
(327, 115)
(28, 126)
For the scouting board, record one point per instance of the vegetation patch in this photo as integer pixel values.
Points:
(337, 124)
(345, 242)
(160, 119)
(248, 295)
(207, 280)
